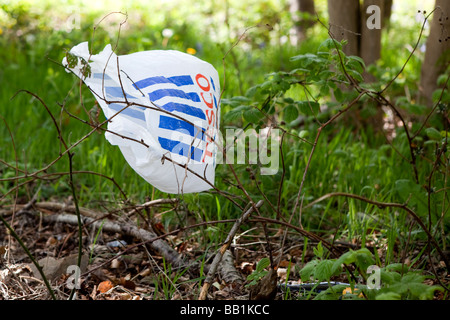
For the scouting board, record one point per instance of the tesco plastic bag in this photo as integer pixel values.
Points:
(163, 112)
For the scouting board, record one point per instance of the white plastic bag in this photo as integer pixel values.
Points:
(171, 104)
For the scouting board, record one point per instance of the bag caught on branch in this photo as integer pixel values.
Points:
(162, 108)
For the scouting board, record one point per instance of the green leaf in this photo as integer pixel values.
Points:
(330, 44)
(416, 108)
(72, 60)
(388, 296)
(252, 91)
(358, 59)
(253, 115)
(355, 64)
(262, 264)
(347, 258)
(236, 113)
(318, 251)
(308, 59)
(338, 94)
(355, 75)
(442, 80)
(303, 134)
(324, 270)
(433, 134)
(308, 108)
(290, 113)
(308, 270)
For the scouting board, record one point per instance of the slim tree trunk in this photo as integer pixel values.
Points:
(344, 20)
(303, 13)
(371, 33)
(387, 11)
(437, 55)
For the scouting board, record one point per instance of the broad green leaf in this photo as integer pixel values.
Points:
(252, 91)
(355, 75)
(253, 115)
(236, 113)
(324, 270)
(318, 251)
(358, 59)
(416, 108)
(330, 44)
(262, 264)
(308, 270)
(338, 94)
(389, 296)
(303, 134)
(433, 134)
(442, 80)
(290, 113)
(308, 108)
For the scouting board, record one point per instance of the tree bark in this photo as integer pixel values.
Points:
(387, 11)
(344, 20)
(303, 13)
(370, 38)
(437, 55)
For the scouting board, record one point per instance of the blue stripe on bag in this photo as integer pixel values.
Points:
(177, 80)
(159, 94)
(116, 92)
(180, 148)
(102, 76)
(180, 126)
(184, 108)
(138, 114)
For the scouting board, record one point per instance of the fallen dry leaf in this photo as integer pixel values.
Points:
(128, 284)
(284, 264)
(105, 286)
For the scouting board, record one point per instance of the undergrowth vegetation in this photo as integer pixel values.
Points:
(363, 172)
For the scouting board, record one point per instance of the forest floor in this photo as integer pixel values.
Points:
(116, 266)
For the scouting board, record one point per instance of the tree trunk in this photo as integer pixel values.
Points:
(370, 50)
(303, 13)
(387, 12)
(437, 56)
(344, 20)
